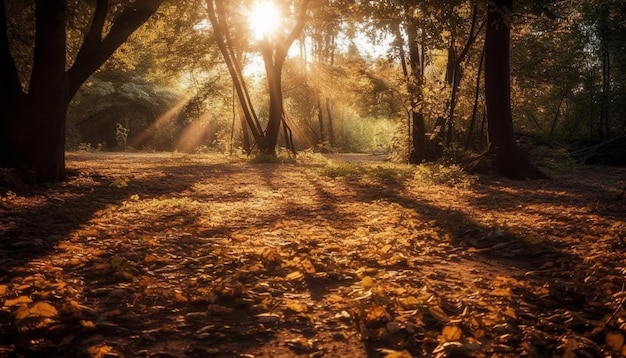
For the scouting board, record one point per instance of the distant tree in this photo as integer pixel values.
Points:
(33, 116)
(508, 159)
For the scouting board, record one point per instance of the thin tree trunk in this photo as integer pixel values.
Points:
(320, 120)
(558, 112)
(217, 15)
(331, 122)
(470, 132)
(604, 99)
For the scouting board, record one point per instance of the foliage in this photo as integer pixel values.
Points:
(450, 175)
(554, 160)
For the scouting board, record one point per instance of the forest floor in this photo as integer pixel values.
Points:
(173, 255)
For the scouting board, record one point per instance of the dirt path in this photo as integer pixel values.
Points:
(161, 255)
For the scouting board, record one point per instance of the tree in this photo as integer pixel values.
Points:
(274, 49)
(32, 123)
(508, 159)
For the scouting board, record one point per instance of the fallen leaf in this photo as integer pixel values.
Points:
(451, 334)
(296, 306)
(99, 351)
(293, 276)
(367, 282)
(17, 301)
(376, 314)
(308, 267)
(39, 309)
(615, 340)
(180, 297)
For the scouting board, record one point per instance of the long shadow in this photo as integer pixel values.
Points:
(565, 282)
(221, 293)
(30, 232)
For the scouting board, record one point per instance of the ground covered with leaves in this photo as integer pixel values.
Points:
(172, 255)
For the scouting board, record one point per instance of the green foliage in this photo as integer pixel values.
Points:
(450, 175)
(553, 160)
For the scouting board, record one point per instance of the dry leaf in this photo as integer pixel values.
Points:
(398, 354)
(17, 301)
(438, 313)
(99, 351)
(615, 340)
(293, 276)
(367, 282)
(87, 324)
(39, 309)
(409, 302)
(451, 333)
(376, 314)
(180, 297)
(308, 267)
(3, 290)
(296, 306)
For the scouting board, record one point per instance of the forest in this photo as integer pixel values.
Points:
(320, 178)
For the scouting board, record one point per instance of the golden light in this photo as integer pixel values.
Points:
(264, 19)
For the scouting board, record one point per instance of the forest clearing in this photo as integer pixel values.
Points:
(181, 255)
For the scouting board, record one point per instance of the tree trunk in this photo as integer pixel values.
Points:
(273, 59)
(331, 122)
(320, 120)
(606, 87)
(418, 154)
(33, 122)
(470, 132)
(508, 159)
(36, 123)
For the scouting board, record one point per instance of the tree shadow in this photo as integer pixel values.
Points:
(176, 286)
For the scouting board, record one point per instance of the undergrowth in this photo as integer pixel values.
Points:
(439, 174)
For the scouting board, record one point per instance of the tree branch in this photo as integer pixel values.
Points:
(91, 56)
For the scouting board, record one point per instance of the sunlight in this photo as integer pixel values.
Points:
(264, 19)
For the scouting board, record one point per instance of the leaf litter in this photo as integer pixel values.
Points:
(174, 255)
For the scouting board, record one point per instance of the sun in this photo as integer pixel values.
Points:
(264, 19)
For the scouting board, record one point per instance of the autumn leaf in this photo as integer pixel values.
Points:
(293, 276)
(308, 267)
(451, 333)
(385, 249)
(367, 282)
(17, 301)
(99, 351)
(376, 314)
(39, 309)
(296, 306)
(615, 340)
(180, 297)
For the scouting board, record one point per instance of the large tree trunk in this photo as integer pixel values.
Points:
(508, 159)
(32, 124)
(36, 122)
